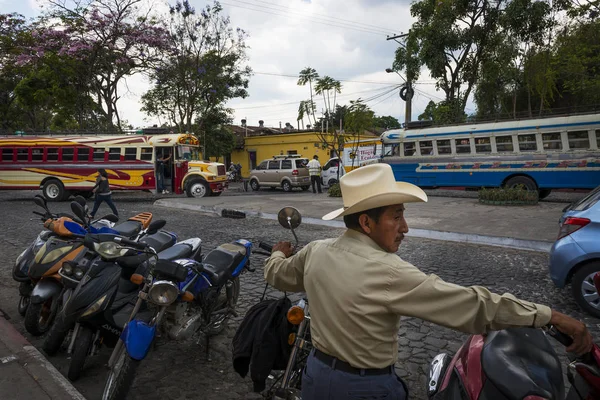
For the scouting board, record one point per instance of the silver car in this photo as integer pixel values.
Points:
(286, 172)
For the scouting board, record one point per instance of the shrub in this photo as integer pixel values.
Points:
(334, 190)
(516, 195)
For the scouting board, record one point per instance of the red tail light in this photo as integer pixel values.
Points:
(295, 172)
(570, 225)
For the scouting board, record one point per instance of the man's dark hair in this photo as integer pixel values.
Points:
(351, 220)
(316, 157)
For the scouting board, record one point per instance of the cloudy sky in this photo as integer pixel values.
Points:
(345, 39)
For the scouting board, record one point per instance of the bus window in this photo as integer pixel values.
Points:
(83, 154)
(114, 154)
(443, 147)
(22, 154)
(462, 146)
(98, 154)
(579, 140)
(426, 148)
(527, 143)
(67, 154)
(504, 143)
(37, 154)
(552, 141)
(409, 149)
(146, 154)
(598, 138)
(52, 154)
(130, 154)
(7, 155)
(483, 145)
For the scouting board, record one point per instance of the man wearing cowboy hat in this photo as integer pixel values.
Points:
(358, 289)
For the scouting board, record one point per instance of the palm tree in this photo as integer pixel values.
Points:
(308, 75)
(324, 87)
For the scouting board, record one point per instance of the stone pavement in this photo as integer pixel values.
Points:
(455, 219)
(24, 371)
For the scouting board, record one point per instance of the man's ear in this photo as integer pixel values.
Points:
(365, 223)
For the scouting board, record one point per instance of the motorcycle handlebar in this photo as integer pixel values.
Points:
(39, 213)
(131, 243)
(265, 246)
(563, 338)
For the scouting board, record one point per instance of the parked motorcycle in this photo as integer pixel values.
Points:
(185, 296)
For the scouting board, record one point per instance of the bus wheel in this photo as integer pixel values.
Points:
(521, 180)
(197, 188)
(544, 193)
(53, 190)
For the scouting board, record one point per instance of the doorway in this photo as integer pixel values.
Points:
(164, 170)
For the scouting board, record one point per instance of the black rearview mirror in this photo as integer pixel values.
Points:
(40, 202)
(80, 200)
(289, 218)
(78, 210)
(155, 226)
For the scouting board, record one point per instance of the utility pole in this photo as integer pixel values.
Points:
(409, 89)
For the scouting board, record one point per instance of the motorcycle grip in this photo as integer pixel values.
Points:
(564, 339)
(265, 246)
(131, 243)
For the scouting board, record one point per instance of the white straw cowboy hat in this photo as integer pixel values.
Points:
(374, 186)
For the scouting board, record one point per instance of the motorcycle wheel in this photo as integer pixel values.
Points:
(121, 376)
(38, 317)
(83, 343)
(23, 305)
(217, 325)
(56, 336)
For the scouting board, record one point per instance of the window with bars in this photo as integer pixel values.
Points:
(527, 143)
(552, 141)
(7, 155)
(114, 154)
(578, 140)
(443, 147)
(409, 149)
(462, 146)
(22, 154)
(37, 154)
(98, 154)
(426, 148)
(83, 154)
(52, 154)
(146, 154)
(130, 154)
(67, 154)
(483, 145)
(504, 144)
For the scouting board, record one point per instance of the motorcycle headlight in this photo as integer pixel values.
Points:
(163, 293)
(110, 250)
(79, 273)
(67, 269)
(94, 307)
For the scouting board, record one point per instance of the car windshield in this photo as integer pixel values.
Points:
(586, 202)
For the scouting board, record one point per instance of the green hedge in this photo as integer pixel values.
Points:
(334, 190)
(505, 196)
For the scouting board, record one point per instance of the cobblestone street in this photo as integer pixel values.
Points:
(181, 370)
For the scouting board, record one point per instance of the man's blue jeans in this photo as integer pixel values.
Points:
(322, 382)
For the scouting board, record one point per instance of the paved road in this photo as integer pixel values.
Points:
(181, 371)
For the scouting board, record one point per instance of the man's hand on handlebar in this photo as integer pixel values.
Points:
(582, 339)
(284, 247)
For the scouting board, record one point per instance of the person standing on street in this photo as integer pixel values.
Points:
(358, 288)
(160, 173)
(103, 193)
(314, 170)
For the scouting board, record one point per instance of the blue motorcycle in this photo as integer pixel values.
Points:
(185, 296)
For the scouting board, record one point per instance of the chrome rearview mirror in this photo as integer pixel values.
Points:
(289, 218)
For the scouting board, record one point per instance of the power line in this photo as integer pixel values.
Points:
(312, 16)
(280, 14)
(341, 80)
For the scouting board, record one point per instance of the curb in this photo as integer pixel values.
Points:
(497, 241)
(39, 369)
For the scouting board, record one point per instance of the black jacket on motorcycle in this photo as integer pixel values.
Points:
(260, 343)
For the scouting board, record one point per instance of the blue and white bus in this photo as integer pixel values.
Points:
(541, 154)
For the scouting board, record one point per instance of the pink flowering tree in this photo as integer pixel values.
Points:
(208, 67)
(111, 40)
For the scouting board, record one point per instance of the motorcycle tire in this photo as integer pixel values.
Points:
(33, 319)
(56, 336)
(83, 343)
(23, 305)
(121, 376)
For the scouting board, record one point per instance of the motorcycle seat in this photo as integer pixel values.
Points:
(180, 250)
(220, 263)
(159, 241)
(128, 228)
(521, 362)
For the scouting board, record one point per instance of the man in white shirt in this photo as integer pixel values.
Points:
(314, 170)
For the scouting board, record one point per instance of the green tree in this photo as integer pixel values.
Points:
(217, 140)
(307, 76)
(387, 122)
(358, 119)
(442, 113)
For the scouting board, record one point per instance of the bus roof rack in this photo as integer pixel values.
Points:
(287, 156)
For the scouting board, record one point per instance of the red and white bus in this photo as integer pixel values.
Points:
(65, 165)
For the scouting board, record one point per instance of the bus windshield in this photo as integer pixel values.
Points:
(188, 153)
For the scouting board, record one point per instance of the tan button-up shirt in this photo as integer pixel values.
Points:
(357, 293)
